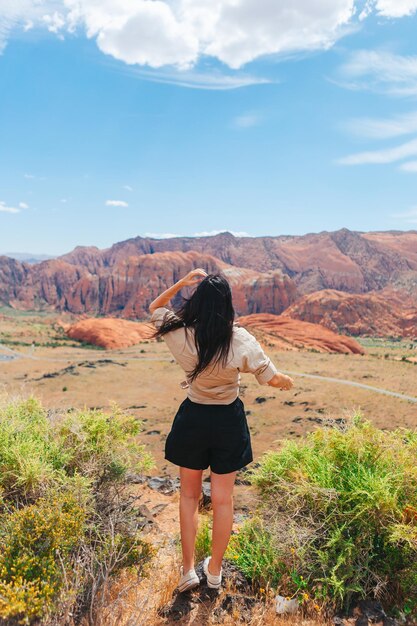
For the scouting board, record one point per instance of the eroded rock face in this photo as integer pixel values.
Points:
(344, 260)
(127, 287)
(109, 333)
(278, 330)
(291, 334)
(12, 275)
(267, 274)
(374, 314)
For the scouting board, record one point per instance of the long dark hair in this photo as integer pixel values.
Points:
(209, 310)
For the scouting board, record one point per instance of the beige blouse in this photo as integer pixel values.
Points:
(218, 385)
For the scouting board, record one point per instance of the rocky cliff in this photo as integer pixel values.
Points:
(382, 313)
(126, 288)
(285, 333)
(344, 260)
(267, 274)
(288, 334)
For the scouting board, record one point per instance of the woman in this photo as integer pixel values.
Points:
(210, 426)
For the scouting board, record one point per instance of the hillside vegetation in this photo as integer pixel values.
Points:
(337, 519)
(66, 522)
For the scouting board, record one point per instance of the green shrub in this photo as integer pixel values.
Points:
(252, 550)
(35, 548)
(203, 538)
(340, 511)
(101, 446)
(67, 522)
(31, 459)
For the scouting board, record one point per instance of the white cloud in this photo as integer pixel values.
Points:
(393, 75)
(239, 32)
(157, 33)
(128, 187)
(23, 205)
(381, 71)
(165, 33)
(121, 203)
(32, 176)
(386, 155)
(408, 216)
(396, 8)
(162, 33)
(211, 80)
(147, 33)
(200, 234)
(384, 128)
(409, 166)
(216, 232)
(366, 10)
(23, 14)
(247, 120)
(4, 208)
(55, 22)
(161, 235)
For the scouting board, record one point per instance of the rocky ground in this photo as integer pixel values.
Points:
(155, 601)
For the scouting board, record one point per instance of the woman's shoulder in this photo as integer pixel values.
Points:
(161, 314)
(242, 333)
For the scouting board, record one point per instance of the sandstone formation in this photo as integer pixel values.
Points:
(344, 260)
(127, 288)
(285, 333)
(290, 334)
(109, 333)
(374, 314)
(267, 274)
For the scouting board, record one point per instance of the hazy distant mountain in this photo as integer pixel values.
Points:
(27, 257)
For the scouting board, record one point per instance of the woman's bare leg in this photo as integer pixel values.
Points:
(223, 505)
(190, 491)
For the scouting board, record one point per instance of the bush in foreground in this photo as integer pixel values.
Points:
(337, 518)
(66, 520)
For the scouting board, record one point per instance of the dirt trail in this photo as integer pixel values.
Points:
(154, 600)
(352, 383)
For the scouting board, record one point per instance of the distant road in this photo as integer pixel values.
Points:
(352, 383)
(14, 354)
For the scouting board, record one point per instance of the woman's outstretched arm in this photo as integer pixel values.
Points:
(282, 381)
(191, 278)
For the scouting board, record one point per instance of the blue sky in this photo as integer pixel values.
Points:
(109, 132)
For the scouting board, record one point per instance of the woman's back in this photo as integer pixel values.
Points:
(218, 384)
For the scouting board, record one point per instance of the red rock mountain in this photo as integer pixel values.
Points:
(376, 313)
(267, 274)
(285, 333)
(110, 333)
(126, 288)
(344, 260)
(289, 334)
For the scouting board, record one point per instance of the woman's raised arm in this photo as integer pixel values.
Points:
(190, 279)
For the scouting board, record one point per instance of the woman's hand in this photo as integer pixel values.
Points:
(282, 381)
(193, 277)
(189, 279)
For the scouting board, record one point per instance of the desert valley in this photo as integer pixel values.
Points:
(337, 310)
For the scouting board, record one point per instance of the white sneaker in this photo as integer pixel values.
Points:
(214, 582)
(189, 580)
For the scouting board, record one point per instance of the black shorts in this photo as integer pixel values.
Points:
(210, 434)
